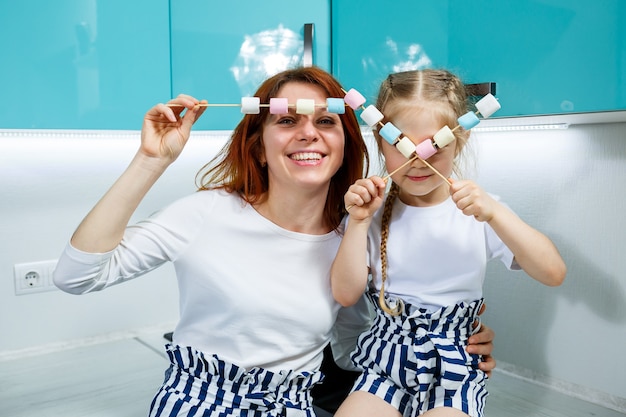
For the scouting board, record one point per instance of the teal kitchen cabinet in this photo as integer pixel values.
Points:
(222, 51)
(73, 64)
(545, 56)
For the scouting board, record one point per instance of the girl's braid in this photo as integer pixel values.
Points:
(384, 235)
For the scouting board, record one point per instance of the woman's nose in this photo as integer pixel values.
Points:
(308, 131)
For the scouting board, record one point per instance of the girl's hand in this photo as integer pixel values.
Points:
(472, 200)
(364, 197)
(166, 129)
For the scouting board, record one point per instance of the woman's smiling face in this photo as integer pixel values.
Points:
(303, 150)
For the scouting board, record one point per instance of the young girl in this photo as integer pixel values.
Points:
(426, 249)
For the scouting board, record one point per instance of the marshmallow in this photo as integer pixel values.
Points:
(250, 105)
(336, 105)
(468, 120)
(443, 137)
(354, 99)
(406, 147)
(305, 106)
(279, 106)
(425, 149)
(390, 133)
(487, 105)
(371, 115)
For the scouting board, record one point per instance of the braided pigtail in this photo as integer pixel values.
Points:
(384, 235)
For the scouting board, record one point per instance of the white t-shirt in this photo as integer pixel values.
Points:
(437, 256)
(251, 292)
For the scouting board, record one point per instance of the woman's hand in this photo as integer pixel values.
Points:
(166, 129)
(481, 343)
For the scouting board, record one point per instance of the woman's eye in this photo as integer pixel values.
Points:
(327, 121)
(285, 120)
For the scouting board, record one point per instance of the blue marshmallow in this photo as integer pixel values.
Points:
(468, 120)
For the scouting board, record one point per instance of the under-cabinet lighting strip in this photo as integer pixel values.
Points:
(516, 128)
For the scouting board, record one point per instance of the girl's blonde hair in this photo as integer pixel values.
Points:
(438, 91)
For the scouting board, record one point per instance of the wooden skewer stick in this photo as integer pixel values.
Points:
(413, 158)
(236, 105)
(206, 105)
(434, 170)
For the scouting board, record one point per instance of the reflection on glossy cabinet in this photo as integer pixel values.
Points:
(223, 50)
(72, 64)
(546, 56)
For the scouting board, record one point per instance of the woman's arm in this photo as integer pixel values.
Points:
(164, 133)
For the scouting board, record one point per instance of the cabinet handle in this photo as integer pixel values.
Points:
(481, 89)
(307, 59)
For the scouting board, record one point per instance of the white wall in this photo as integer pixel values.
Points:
(48, 182)
(570, 185)
(567, 183)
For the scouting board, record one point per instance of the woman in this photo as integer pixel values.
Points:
(252, 249)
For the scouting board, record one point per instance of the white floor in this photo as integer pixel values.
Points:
(119, 378)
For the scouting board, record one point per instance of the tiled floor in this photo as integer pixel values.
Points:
(119, 378)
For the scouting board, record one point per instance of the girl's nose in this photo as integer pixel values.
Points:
(417, 163)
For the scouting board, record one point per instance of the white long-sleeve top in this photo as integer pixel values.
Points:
(250, 291)
(436, 256)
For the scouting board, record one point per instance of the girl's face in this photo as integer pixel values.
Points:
(302, 151)
(419, 185)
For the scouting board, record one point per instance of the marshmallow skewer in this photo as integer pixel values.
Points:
(422, 151)
(278, 105)
(372, 116)
(236, 105)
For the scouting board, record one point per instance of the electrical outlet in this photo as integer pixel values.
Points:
(34, 277)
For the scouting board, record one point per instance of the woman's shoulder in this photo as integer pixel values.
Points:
(201, 203)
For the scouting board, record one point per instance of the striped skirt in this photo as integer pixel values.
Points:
(203, 385)
(417, 361)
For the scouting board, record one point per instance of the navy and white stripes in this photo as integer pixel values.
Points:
(417, 361)
(201, 385)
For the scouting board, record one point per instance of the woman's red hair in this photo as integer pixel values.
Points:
(237, 168)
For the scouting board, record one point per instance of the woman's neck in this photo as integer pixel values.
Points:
(297, 212)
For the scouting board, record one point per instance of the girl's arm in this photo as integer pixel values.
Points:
(348, 275)
(534, 252)
(164, 133)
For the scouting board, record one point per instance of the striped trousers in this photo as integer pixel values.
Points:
(417, 361)
(202, 385)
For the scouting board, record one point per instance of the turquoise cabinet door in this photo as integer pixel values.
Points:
(223, 50)
(376, 38)
(74, 64)
(546, 56)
